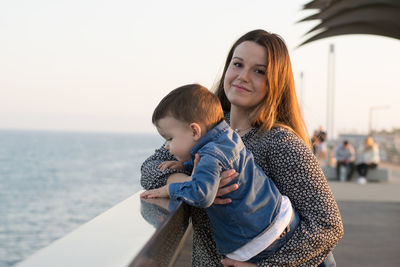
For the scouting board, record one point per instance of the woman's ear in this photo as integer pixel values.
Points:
(196, 131)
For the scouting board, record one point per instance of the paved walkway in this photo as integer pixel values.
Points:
(371, 218)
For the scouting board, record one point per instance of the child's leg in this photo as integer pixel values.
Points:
(362, 169)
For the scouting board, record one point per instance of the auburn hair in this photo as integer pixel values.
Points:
(280, 107)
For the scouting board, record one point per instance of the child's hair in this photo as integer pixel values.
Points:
(190, 103)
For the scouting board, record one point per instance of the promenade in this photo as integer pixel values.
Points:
(371, 218)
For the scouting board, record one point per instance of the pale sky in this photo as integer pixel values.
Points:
(104, 65)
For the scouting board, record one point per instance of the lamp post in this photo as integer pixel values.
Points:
(330, 94)
(371, 109)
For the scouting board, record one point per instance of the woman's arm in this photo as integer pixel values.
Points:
(297, 174)
(152, 177)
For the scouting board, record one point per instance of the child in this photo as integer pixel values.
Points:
(259, 220)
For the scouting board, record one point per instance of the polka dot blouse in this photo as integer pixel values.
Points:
(297, 174)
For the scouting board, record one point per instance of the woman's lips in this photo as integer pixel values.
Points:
(241, 88)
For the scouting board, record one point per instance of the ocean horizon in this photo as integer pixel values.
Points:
(51, 182)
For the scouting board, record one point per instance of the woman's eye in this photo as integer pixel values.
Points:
(260, 71)
(237, 64)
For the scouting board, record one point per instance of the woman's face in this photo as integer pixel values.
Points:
(245, 78)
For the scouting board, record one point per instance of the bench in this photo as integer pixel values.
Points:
(373, 175)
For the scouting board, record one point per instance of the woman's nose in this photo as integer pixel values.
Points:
(244, 75)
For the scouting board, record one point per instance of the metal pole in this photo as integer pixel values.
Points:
(370, 121)
(328, 102)
(330, 93)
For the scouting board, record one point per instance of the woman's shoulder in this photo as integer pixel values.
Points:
(280, 136)
(283, 141)
(276, 140)
(282, 133)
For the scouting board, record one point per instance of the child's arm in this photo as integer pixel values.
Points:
(202, 189)
(156, 193)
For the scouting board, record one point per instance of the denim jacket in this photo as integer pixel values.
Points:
(255, 204)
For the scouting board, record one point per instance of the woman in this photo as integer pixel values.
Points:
(258, 96)
(367, 158)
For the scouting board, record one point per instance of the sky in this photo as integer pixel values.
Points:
(103, 66)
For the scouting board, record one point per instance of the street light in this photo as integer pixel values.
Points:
(330, 93)
(371, 109)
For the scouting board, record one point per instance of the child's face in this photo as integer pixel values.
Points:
(179, 136)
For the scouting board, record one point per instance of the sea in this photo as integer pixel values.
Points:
(52, 182)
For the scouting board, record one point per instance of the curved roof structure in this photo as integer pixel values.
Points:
(339, 17)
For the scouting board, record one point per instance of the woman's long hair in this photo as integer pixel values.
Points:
(280, 107)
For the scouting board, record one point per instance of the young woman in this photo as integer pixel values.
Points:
(367, 158)
(258, 96)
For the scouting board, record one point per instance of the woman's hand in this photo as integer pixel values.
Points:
(226, 178)
(230, 262)
(181, 177)
(172, 164)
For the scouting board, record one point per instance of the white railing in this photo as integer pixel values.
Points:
(135, 232)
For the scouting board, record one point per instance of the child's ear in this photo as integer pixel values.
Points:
(196, 130)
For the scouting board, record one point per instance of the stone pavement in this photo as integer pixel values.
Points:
(371, 219)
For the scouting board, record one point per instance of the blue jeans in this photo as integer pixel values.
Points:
(329, 261)
(277, 244)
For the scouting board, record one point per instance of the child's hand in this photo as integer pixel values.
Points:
(173, 164)
(156, 193)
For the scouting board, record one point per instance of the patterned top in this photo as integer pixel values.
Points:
(297, 174)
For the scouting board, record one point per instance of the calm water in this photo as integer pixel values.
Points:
(52, 182)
